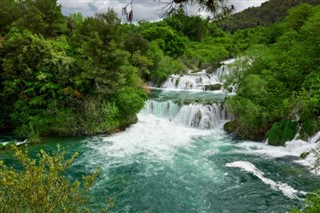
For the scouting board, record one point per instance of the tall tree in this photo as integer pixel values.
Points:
(41, 17)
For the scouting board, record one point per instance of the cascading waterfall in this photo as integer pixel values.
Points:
(162, 109)
(198, 80)
(193, 115)
(177, 158)
(201, 116)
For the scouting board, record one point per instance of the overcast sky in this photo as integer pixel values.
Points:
(143, 9)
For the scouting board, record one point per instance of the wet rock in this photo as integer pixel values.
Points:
(212, 87)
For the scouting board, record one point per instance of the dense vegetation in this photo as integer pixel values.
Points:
(279, 82)
(75, 75)
(268, 13)
(64, 75)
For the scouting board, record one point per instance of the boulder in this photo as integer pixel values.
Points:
(281, 132)
(212, 87)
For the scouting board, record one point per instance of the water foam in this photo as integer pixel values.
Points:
(292, 148)
(277, 186)
(162, 128)
(155, 137)
(190, 82)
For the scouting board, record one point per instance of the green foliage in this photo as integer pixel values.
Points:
(135, 42)
(40, 186)
(204, 55)
(70, 84)
(164, 69)
(142, 62)
(312, 203)
(298, 16)
(100, 117)
(280, 80)
(266, 15)
(42, 17)
(251, 117)
(130, 100)
(281, 132)
(194, 27)
(309, 127)
(171, 43)
(9, 12)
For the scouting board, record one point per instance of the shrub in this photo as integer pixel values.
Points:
(39, 185)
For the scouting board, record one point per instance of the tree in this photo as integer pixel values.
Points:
(40, 186)
(41, 17)
(9, 13)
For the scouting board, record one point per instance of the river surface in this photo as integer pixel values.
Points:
(177, 158)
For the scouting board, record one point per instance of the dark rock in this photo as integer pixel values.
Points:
(230, 126)
(212, 87)
(304, 155)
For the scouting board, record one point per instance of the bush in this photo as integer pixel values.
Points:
(39, 185)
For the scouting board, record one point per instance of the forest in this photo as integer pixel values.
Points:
(75, 75)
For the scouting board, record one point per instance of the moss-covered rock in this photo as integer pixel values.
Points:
(212, 87)
(281, 132)
(310, 127)
(234, 128)
(230, 126)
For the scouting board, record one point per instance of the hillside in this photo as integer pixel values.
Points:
(268, 13)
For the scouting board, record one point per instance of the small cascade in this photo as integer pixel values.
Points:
(193, 115)
(201, 116)
(198, 80)
(161, 109)
(190, 82)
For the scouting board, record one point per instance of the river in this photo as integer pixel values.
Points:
(177, 158)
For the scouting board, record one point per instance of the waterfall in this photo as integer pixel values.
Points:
(193, 115)
(198, 80)
(192, 82)
(161, 109)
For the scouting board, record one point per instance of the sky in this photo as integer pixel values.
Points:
(142, 9)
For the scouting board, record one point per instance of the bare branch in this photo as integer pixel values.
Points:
(129, 15)
(218, 8)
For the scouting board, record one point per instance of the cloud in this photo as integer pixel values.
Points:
(143, 9)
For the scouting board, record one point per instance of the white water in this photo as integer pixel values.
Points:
(201, 116)
(16, 142)
(278, 186)
(198, 81)
(292, 148)
(193, 115)
(163, 109)
(155, 137)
